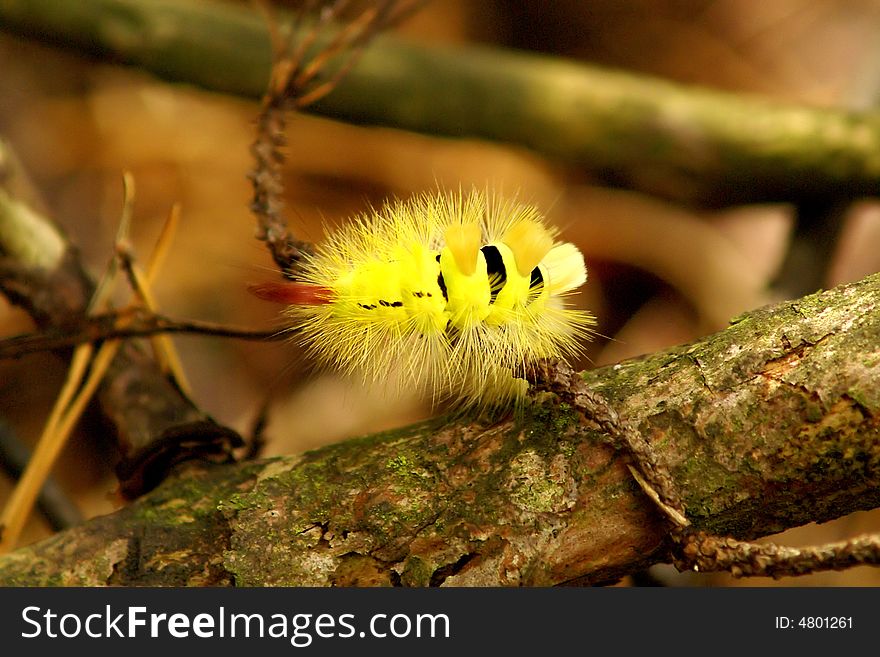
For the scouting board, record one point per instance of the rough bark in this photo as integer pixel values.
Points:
(635, 130)
(768, 424)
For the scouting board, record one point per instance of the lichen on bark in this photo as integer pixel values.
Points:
(768, 424)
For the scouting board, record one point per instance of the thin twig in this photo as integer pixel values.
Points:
(698, 550)
(651, 475)
(299, 78)
(141, 282)
(706, 553)
(138, 323)
(55, 505)
(257, 441)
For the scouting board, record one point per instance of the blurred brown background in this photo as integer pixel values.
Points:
(661, 273)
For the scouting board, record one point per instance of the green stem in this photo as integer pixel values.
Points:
(641, 131)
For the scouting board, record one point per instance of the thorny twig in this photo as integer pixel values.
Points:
(703, 552)
(299, 78)
(693, 549)
(652, 476)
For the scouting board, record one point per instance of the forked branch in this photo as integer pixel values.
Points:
(308, 62)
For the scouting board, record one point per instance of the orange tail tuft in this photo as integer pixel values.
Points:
(291, 293)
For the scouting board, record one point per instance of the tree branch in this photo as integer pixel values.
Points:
(766, 425)
(157, 425)
(638, 131)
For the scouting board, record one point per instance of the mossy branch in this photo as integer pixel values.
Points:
(768, 424)
(641, 131)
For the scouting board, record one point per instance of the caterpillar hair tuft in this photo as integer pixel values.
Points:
(454, 294)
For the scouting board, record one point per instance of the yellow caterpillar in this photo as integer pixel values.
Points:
(455, 295)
